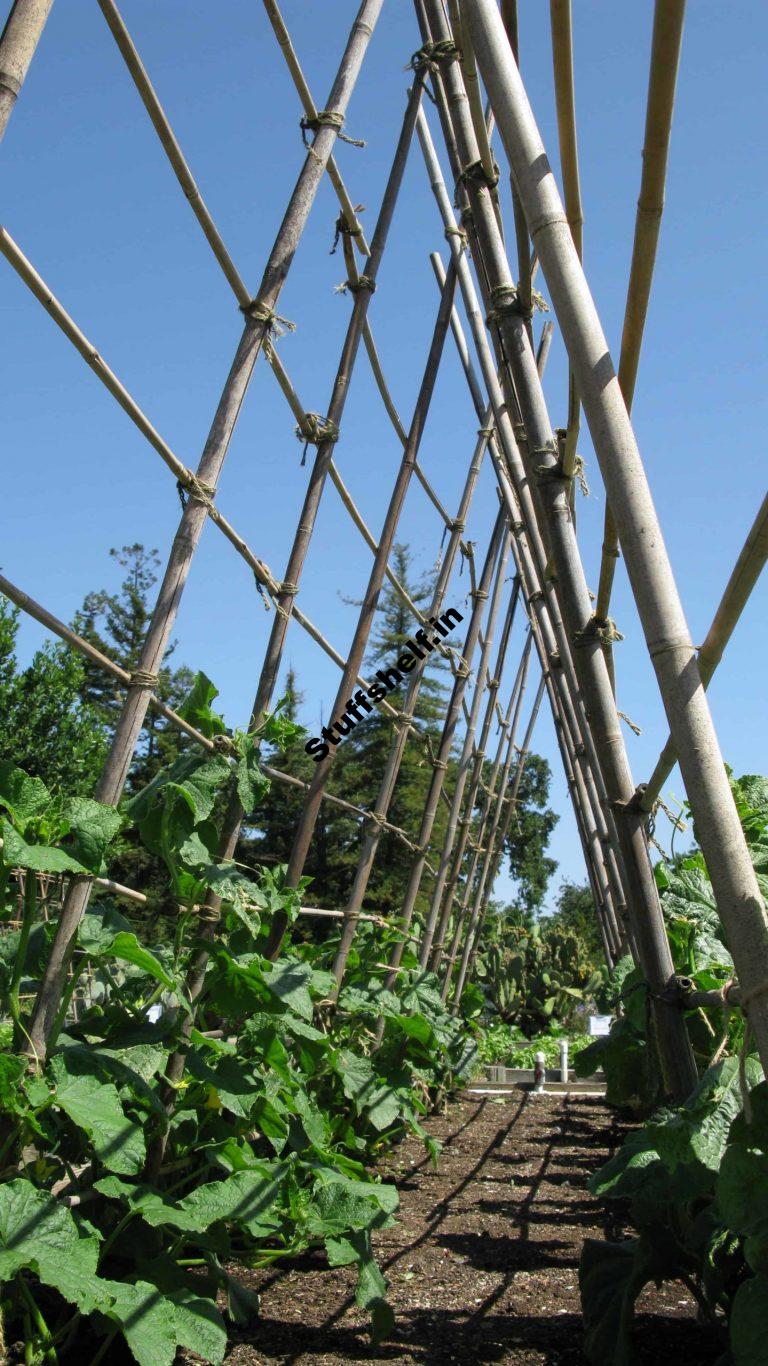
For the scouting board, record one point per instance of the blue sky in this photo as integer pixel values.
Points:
(88, 195)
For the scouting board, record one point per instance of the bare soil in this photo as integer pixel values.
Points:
(483, 1261)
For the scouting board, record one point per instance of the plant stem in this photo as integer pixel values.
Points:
(28, 916)
(69, 990)
(104, 1348)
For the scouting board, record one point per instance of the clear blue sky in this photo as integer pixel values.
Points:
(90, 198)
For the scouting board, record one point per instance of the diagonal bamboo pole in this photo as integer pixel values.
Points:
(565, 97)
(720, 834)
(20, 36)
(258, 321)
(454, 853)
(480, 597)
(464, 762)
(746, 572)
(505, 744)
(308, 818)
(666, 43)
(492, 862)
(553, 489)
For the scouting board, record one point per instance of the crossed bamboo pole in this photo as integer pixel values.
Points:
(719, 830)
(260, 318)
(18, 41)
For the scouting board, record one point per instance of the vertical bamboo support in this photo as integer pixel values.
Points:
(495, 853)
(464, 763)
(544, 468)
(719, 830)
(541, 595)
(666, 44)
(456, 854)
(479, 596)
(565, 98)
(20, 36)
(259, 319)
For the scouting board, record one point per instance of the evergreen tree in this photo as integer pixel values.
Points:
(529, 835)
(47, 725)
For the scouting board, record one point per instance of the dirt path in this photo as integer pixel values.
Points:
(483, 1262)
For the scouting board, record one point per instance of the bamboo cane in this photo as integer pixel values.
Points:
(565, 97)
(509, 326)
(308, 818)
(455, 853)
(370, 842)
(541, 592)
(426, 956)
(666, 44)
(524, 276)
(495, 852)
(259, 319)
(669, 643)
(746, 572)
(20, 36)
(480, 597)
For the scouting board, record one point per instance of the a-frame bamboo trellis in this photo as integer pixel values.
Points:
(462, 43)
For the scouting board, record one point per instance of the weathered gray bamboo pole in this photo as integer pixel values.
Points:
(524, 277)
(456, 855)
(464, 762)
(553, 489)
(259, 319)
(746, 572)
(666, 44)
(501, 763)
(479, 596)
(495, 853)
(20, 36)
(308, 818)
(397, 748)
(719, 830)
(565, 99)
(530, 565)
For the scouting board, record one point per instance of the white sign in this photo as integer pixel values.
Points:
(599, 1024)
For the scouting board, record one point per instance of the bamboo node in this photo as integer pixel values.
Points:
(327, 118)
(476, 173)
(273, 322)
(479, 594)
(143, 678)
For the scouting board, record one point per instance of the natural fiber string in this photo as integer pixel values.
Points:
(327, 118)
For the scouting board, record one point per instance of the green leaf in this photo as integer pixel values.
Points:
(248, 1198)
(288, 980)
(12, 1069)
(147, 1322)
(93, 827)
(39, 858)
(94, 1106)
(699, 1131)
(749, 1314)
(127, 949)
(199, 1326)
(611, 1276)
(39, 1234)
(197, 708)
(23, 797)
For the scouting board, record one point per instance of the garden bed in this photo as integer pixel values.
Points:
(483, 1261)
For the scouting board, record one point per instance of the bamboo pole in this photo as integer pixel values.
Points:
(396, 752)
(572, 593)
(308, 818)
(666, 44)
(258, 321)
(719, 830)
(746, 572)
(565, 98)
(532, 563)
(495, 852)
(524, 276)
(463, 765)
(19, 38)
(479, 596)
(455, 853)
